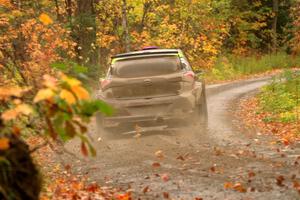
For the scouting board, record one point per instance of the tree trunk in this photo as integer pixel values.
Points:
(69, 9)
(57, 11)
(85, 33)
(274, 25)
(125, 26)
(146, 8)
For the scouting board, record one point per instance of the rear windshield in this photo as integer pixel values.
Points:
(146, 66)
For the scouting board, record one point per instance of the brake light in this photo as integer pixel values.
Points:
(104, 83)
(190, 74)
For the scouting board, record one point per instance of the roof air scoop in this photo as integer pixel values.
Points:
(150, 48)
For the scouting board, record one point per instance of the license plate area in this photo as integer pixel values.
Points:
(157, 109)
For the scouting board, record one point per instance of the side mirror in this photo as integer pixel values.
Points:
(183, 65)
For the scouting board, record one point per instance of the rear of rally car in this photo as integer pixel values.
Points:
(149, 88)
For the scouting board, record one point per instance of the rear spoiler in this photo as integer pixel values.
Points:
(140, 53)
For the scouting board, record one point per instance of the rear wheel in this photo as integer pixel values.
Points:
(101, 131)
(202, 109)
(106, 133)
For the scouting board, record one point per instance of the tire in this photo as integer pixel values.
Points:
(100, 130)
(202, 109)
(106, 133)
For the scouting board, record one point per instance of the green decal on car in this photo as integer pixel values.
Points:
(180, 54)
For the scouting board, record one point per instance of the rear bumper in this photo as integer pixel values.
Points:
(146, 120)
(158, 111)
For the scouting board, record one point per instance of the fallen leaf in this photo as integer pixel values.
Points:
(156, 164)
(125, 196)
(67, 167)
(285, 141)
(279, 180)
(146, 189)
(218, 152)
(165, 177)
(228, 185)
(296, 185)
(251, 174)
(239, 187)
(166, 195)
(159, 154)
(180, 158)
(93, 187)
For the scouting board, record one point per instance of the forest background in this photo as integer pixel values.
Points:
(40, 39)
(226, 37)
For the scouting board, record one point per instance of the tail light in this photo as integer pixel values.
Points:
(189, 74)
(104, 83)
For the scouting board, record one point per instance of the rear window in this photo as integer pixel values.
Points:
(146, 66)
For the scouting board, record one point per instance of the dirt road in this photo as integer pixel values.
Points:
(222, 161)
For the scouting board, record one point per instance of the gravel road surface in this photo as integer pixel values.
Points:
(221, 161)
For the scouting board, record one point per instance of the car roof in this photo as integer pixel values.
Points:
(147, 52)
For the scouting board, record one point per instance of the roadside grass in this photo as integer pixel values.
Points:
(276, 108)
(231, 67)
(281, 98)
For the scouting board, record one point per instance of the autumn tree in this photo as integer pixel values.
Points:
(36, 98)
(293, 36)
(258, 25)
(84, 33)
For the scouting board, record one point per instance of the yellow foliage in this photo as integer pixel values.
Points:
(8, 91)
(4, 143)
(67, 96)
(70, 81)
(80, 92)
(43, 94)
(5, 3)
(17, 13)
(49, 81)
(24, 109)
(45, 19)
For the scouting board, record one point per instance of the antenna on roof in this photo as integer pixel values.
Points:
(150, 48)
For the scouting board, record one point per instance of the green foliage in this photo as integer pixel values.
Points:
(223, 70)
(281, 97)
(89, 108)
(63, 108)
(277, 99)
(257, 64)
(72, 68)
(231, 66)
